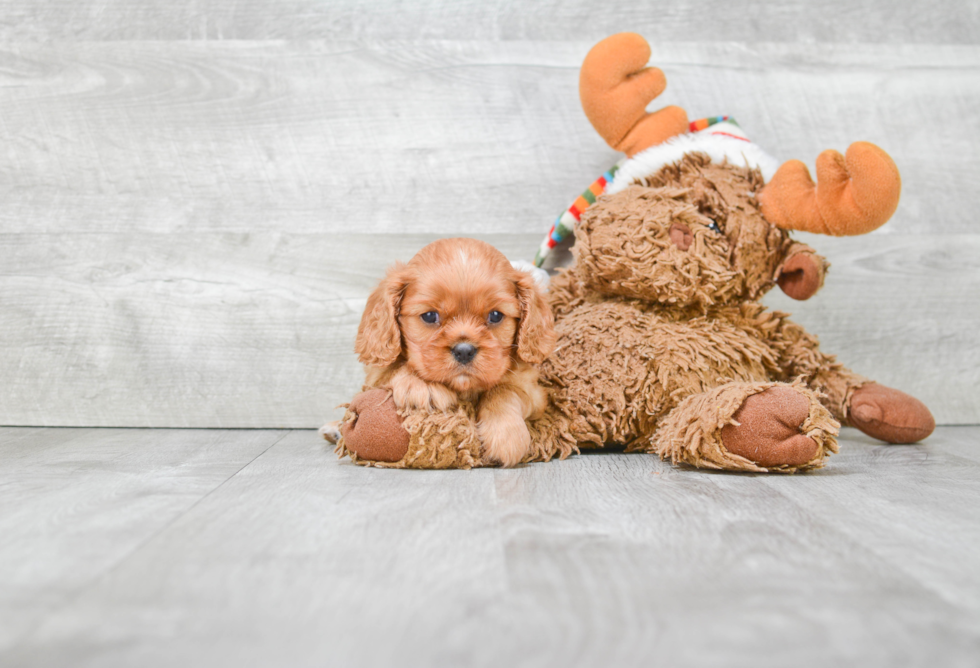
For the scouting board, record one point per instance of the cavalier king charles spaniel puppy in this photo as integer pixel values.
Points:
(459, 322)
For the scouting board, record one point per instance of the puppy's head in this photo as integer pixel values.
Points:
(459, 314)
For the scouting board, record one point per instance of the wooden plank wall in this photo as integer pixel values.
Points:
(198, 196)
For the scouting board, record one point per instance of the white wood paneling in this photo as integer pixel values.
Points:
(433, 137)
(257, 330)
(298, 559)
(178, 235)
(830, 21)
(188, 330)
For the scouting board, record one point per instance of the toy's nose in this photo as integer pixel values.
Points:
(681, 235)
(464, 352)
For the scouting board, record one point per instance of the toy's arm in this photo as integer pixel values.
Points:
(800, 276)
(801, 273)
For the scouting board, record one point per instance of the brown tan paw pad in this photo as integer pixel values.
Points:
(768, 431)
(890, 415)
(375, 432)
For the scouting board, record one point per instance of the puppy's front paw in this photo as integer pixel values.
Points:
(331, 432)
(441, 398)
(505, 438)
(411, 392)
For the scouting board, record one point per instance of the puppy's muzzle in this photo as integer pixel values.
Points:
(464, 352)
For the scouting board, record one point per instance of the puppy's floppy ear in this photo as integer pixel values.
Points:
(379, 338)
(536, 331)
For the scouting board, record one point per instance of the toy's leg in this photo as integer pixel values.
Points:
(802, 357)
(888, 414)
(879, 411)
(835, 383)
(749, 427)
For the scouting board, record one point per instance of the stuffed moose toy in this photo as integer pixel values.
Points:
(662, 344)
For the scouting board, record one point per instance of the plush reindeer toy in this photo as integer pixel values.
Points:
(663, 346)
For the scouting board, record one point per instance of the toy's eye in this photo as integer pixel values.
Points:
(430, 318)
(495, 317)
(714, 227)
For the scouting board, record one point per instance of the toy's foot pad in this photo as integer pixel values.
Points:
(768, 431)
(375, 432)
(890, 415)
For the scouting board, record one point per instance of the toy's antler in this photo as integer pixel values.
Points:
(853, 195)
(615, 87)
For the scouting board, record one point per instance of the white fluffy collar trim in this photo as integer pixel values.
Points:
(721, 142)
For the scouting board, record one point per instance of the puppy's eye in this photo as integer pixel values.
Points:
(714, 227)
(430, 318)
(495, 317)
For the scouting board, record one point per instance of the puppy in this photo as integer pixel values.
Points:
(458, 322)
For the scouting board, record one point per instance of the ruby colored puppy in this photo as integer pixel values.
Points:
(459, 322)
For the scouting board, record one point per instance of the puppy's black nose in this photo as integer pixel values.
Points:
(464, 352)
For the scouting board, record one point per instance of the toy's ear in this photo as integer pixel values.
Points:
(802, 272)
(379, 338)
(536, 332)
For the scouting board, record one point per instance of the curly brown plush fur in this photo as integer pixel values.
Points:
(661, 337)
(664, 348)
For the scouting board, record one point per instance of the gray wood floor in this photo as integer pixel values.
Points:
(259, 548)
